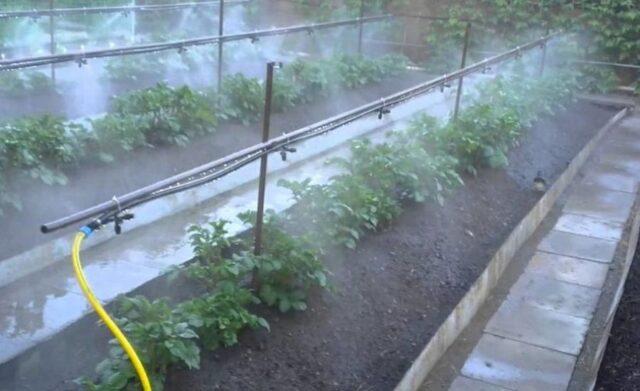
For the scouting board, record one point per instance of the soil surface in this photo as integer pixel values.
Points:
(392, 293)
(620, 369)
(395, 290)
(86, 187)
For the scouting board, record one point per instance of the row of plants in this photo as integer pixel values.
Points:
(424, 162)
(45, 147)
(15, 84)
(233, 281)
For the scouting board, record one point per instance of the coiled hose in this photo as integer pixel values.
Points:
(113, 327)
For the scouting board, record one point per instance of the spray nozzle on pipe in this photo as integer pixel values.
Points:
(254, 39)
(81, 62)
(284, 150)
(383, 110)
(445, 83)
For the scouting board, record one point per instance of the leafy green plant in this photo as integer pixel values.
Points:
(219, 317)
(288, 267)
(118, 132)
(17, 84)
(130, 69)
(597, 79)
(161, 338)
(168, 115)
(242, 98)
(41, 146)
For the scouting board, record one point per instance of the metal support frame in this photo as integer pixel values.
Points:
(52, 41)
(218, 168)
(543, 58)
(220, 43)
(262, 184)
(81, 57)
(463, 63)
(116, 9)
(360, 27)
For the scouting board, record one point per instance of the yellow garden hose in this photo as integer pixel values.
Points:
(77, 267)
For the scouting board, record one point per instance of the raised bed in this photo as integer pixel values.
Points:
(145, 166)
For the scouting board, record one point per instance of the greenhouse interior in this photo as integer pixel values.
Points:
(334, 195)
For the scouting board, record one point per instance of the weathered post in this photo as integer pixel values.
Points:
(266, 121)
(52, 40)
(463, 63)
(360, 27)
(220, 43)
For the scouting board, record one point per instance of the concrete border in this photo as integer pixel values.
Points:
(469, 305)
(587, 366)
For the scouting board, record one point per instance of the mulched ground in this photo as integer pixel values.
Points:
(620, 369)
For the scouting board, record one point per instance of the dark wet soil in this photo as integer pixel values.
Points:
(19, 230)
(399, 285)
(620, 369)
(392, 293)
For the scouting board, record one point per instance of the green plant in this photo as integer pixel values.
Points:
(288, 267)
(160, 337)
(118, 132)
(168, 115)
(597, 79)
(41, 146)
(219, 317)
(242, 98)
(129, 69)
(17, 84)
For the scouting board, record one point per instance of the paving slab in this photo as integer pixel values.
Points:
(518, 365)
(527, 323)
(621, 156)
(578, 246)
(589, 226)
(611, 177)
(601, 203)
(555, 295)
(568, 269)
(466, 384)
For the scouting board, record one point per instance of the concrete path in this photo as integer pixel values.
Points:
(529, 336)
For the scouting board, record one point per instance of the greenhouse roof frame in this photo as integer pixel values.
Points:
(81, 57)
(36, 13)
(220, 167)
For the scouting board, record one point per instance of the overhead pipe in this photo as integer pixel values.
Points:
(223, 166)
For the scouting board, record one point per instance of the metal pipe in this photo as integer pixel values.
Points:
(463, 63)
(262, 184)
(611, 64)
(223, 166)
(116, 9)
(156, 47)
(543, 58)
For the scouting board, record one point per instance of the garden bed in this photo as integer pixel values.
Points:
(620, 365)
(395, 290)
(144, 166)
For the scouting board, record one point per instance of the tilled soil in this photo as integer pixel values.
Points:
(620, 369)
(395, 290)
(41, 203)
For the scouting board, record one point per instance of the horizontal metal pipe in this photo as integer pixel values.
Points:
(81, 57)
(103, 10)
(227, 164)
(611, 64)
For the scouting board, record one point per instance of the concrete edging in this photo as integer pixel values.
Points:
(588, 363)
(469, 305)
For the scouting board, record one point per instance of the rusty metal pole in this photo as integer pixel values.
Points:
(463, 63)
(220, 43)
(360, 27)
(52, 41)
(266, 121)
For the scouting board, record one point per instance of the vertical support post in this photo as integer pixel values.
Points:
(52, 40)
(266, 122)
(463, 63)
(543, 58)
(220, 33)
(360, 27)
